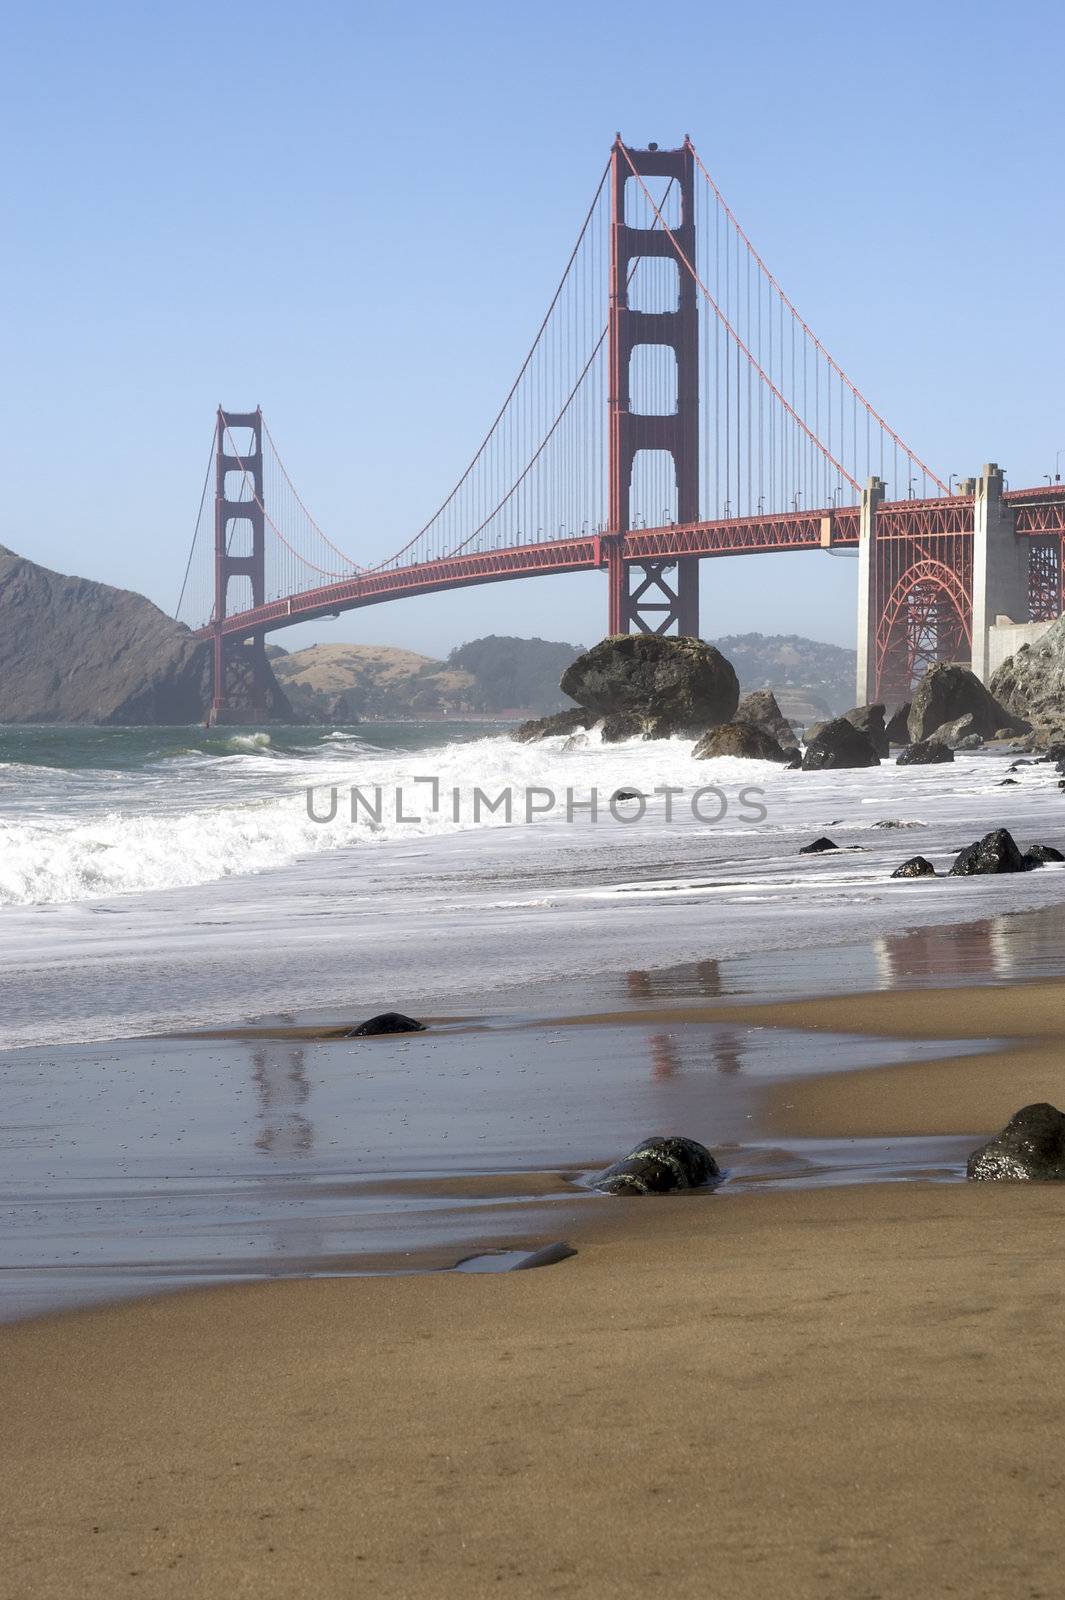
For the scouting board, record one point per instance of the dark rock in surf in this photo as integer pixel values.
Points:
(1037, 855)
(660, 1166)
(385, 1022)
(761, 708)
(620, 727)
(925, 753)
(671, 685)
(743, 739)
(839, 744)
(897, 730)
(916, 867)
(995, 852)
(870, 721)
(575, 720)
(1030, 1149)
(819, 847)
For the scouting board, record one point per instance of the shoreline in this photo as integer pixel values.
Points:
(282, 1148)
(802, 1384)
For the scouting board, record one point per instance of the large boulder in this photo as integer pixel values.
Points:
(672, 686)
(739, 739)
(1031, 683)
(761, 708)
(947, 692)
(1030, 1149)
(839, 744)
(897, 729)
(995, 852)
(660, 1166)
(925, 753)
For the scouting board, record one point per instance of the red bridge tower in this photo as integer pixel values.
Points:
(665, 594)
(248, 562)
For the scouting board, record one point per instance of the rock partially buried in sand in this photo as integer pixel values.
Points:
(995, 852)
(385, 1022)
(1030, 1149)
(916, 867)
(819, 847)
(660, 1166)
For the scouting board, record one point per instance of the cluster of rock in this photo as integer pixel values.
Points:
(996, 852)
(645, 686)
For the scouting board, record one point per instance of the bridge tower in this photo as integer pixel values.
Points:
(249, 561)
(655, 596)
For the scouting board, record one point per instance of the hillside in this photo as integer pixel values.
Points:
(486, 677)
(76, 651)
(809, 679)
(345, 682)
(500, 676)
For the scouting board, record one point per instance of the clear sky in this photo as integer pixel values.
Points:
(354, 215)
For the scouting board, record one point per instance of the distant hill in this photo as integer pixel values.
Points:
(514, 673)
(809, 679)
(501, 675)
(486, 677)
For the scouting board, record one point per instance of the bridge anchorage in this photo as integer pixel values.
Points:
(673, 407)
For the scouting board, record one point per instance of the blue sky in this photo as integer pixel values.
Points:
(354, 216)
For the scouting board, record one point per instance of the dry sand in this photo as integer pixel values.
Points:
(852, 1393)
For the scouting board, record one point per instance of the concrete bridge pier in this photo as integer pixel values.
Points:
(865, 688)
(1000, 567)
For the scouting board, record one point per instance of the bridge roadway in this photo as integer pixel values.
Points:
(1037, 512)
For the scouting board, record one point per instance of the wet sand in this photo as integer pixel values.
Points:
(849, 1392)
(833, 1393)
(963, 1093)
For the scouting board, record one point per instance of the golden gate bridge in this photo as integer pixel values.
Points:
(673, 406)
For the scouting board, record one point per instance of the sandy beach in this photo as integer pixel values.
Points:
(841, 1391)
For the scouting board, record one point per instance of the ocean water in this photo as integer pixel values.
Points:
(153, 879)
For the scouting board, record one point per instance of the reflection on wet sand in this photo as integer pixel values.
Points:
(998, 949)
(724, 1048)
(690, 978)
(282, 1088)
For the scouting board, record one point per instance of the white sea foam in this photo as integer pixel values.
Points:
(164, 835)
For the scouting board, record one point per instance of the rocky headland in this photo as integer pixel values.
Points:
(75, 651)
